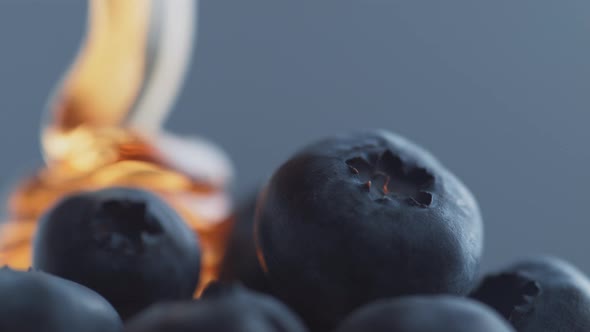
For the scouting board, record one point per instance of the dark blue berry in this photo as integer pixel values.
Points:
(126, 244)
(222, 308)
(539, 295)
(425, 314)
(365, 216)
(38, 302)
(240, 261)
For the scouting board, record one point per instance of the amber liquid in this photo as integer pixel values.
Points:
(89, 160)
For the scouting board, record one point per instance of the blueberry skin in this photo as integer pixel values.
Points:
(442, 313)
(542, 294)
(225, 308)
(126, 244)
(359, 217)
(240, 261)
(39, 302)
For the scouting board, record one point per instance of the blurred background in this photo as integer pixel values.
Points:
(499, 91)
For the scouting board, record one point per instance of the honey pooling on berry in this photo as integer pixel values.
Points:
(102, 128)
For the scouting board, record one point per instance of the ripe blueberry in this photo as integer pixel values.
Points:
(240, 262)
(221, 309)
(126, 244)
(425, 314)
(364, 216)
(36, 301)
(541, 295)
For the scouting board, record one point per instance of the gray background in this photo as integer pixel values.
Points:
(499, 90)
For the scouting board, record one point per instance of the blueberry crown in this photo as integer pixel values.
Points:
(511, 294)
(385, 176)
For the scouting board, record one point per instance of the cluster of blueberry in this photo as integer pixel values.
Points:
(362, 232)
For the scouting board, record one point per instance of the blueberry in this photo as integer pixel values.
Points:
(540, 294)
(36, 301)
(240, 261)
(126, 244)
(425, 314)
(364, 216)
(222, 308)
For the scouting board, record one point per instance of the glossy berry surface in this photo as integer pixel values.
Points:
(365, 216)
(541, 295)
(222, 308)
(240, 262)
(425, 314)
(39, 302)
(126, 244)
